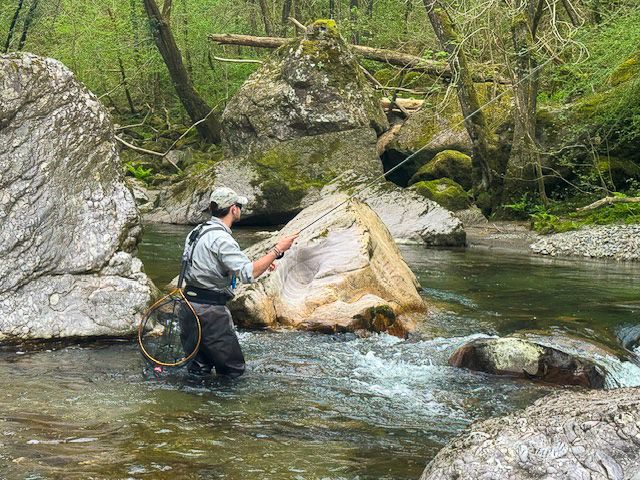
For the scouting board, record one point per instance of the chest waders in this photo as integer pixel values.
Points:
(160, 329)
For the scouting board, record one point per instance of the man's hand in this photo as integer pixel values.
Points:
(272, 267)
(285, 243)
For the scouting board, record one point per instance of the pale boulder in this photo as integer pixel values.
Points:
(344, 273)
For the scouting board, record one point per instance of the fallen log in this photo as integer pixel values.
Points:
(609, 201)
(406, 103)
(392, 57)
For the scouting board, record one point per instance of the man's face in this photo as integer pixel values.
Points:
(236, 210)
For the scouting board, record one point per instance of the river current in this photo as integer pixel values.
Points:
(310, 406)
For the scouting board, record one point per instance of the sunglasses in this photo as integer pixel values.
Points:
(239, 205)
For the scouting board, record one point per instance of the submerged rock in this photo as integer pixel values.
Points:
(343, 274)
(409, 216)
(576, 435)
(528, 359)
(68, 222)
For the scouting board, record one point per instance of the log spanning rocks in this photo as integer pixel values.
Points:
(410, 217)
(343, 274)
(68, 223)
(307, 115)
(576, 436)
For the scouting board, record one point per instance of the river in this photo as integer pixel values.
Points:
(310, 406)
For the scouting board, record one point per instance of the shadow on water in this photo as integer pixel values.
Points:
(310, 406)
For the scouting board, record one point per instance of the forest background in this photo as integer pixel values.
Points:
(578, 49)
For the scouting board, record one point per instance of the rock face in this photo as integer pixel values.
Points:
(307, 115)
(594, 435)
(445, 192)
(68, 222)
(410, 217)
(312, 86)
(528, 359)
(439, 126)
(343, 274)
(446, 164)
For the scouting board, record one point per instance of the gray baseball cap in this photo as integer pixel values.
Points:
(225, 197)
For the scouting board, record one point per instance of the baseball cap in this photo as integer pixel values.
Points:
(225, 197)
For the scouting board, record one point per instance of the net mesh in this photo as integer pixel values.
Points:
(170, 331)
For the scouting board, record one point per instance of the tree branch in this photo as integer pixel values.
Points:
(608, 201)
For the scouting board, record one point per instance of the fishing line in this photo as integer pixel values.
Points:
(461, 122)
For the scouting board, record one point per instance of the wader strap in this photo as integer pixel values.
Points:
(187, 255)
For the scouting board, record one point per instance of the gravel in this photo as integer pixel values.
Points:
(619, 242)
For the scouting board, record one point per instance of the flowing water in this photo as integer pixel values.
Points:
(311, 406)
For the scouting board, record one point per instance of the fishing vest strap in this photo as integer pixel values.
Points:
(194, 237)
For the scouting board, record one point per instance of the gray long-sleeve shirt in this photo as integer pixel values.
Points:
(216, 259)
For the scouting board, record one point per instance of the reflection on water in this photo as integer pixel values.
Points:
(310, 406)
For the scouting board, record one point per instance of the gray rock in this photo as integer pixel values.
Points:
(576, 435)
(344, 273)
(312, 85)
(527, 358)
(68, 221)
(410, 217)
(285, 179)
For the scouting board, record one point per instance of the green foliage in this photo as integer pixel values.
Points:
(526, 206)
(618, 213)
(138, 171)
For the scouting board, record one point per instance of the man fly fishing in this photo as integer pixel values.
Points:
(215, 264)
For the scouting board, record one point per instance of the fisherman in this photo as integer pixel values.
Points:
(216, 263)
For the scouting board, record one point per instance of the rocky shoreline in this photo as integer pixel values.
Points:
(605, 242)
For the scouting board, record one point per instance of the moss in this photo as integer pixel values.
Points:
(323, 27)
(617, 171)
(444, 191)
(625, 71)
(446, 164)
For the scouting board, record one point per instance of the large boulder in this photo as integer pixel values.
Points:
(68, 222)
(445, 192)
(555, 359)
(446, 164)
(569, 436)
(410, 217)
(307, 115)
(439, 126)
(344, 273)
(312, 85)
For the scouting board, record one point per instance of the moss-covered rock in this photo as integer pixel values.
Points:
(617, 171)
(626, 71)
(446, 164)
(445, 192)
(312, 85)
(439, 126)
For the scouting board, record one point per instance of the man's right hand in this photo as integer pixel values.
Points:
(285, 243)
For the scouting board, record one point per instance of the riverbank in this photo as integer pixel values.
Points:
(614, 242)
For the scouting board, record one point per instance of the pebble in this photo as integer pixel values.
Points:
(619, 242)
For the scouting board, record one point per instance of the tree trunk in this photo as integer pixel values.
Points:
(354, 13)
(123, 76)
(408, 8)
(266, 17)
(524, 169)
(284, 20)
(332, 8)
(573, 15)
(196, 107)
(475, 122)
(27, 24)
(12, 27)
